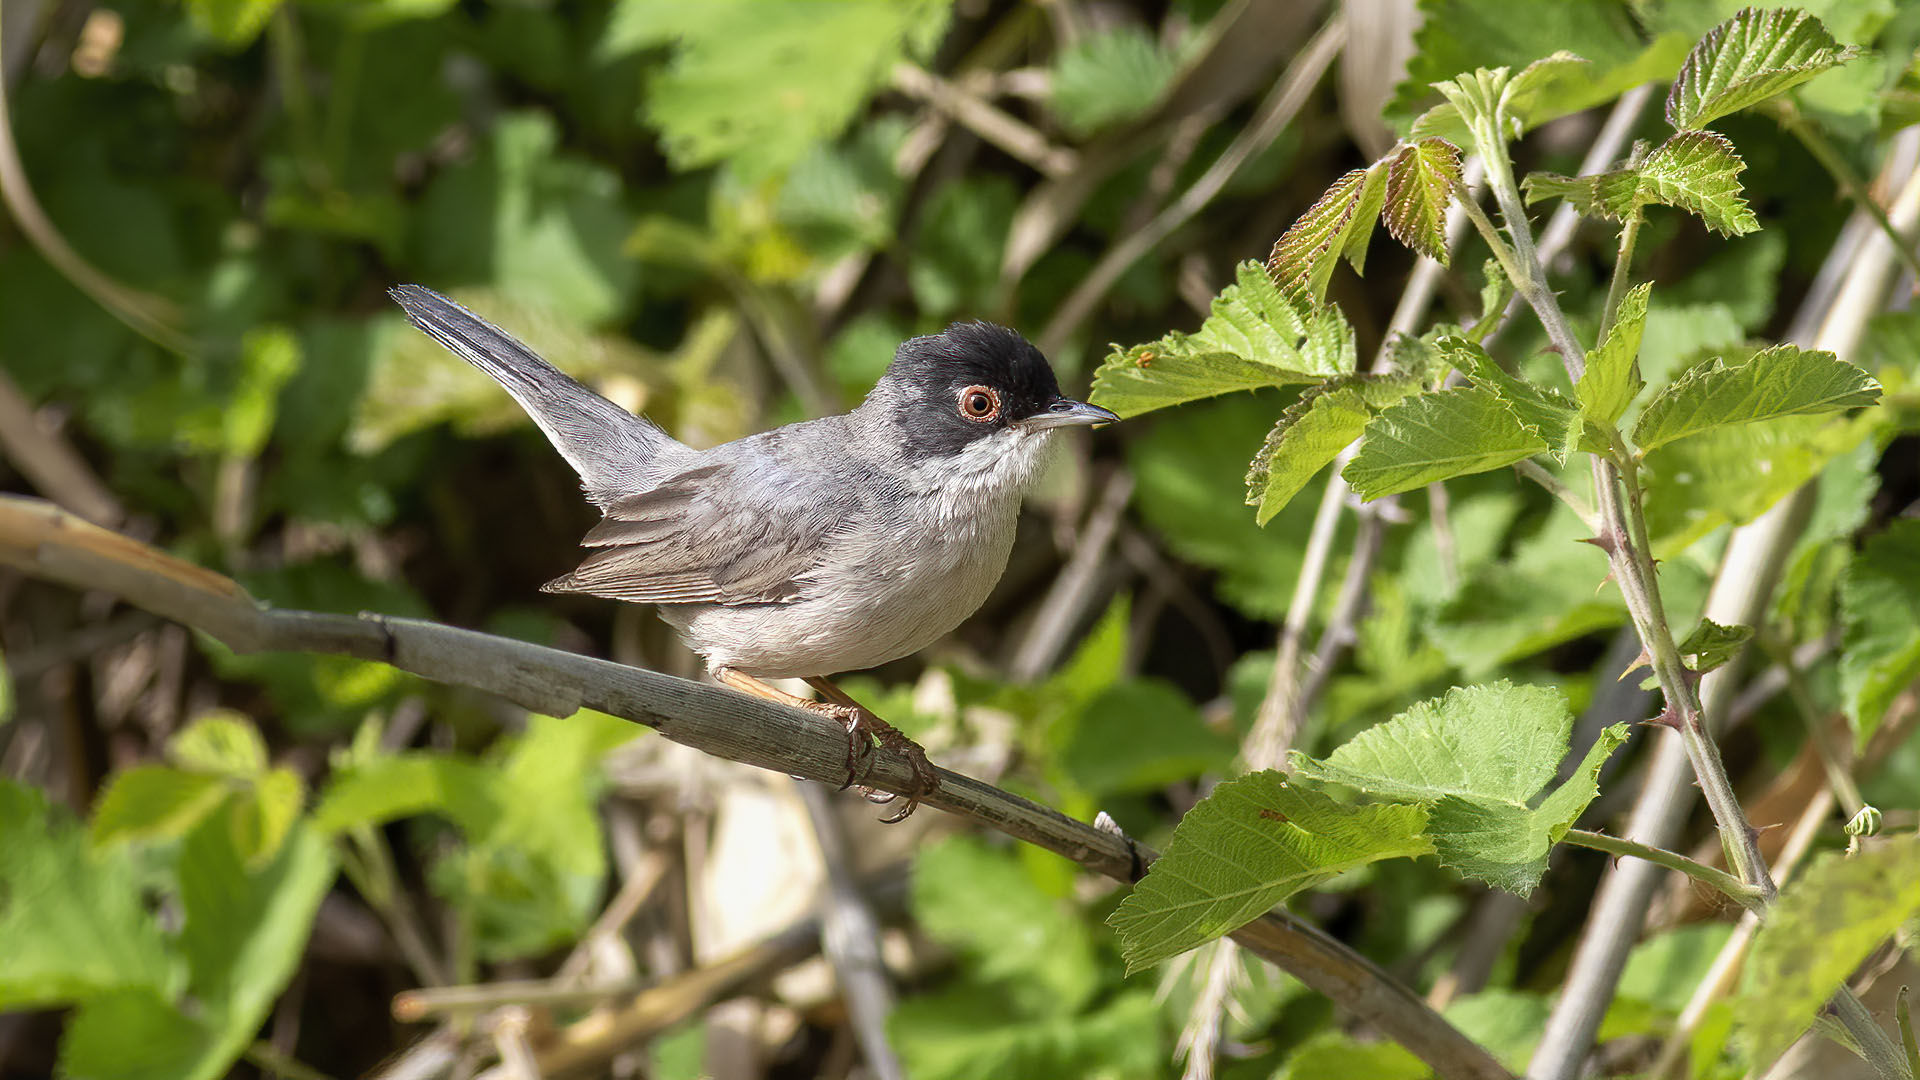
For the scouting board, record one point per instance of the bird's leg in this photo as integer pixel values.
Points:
(864, 723)
(846, 713)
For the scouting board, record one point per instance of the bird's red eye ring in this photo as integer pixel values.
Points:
(981, 404)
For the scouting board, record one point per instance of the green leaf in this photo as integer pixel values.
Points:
(1140, 736)
(1711, 645)
(954, 263)
(969, 1031)
(1880, 606)
(1784, 380)
(1544, 411)
(73, 923)
(233, 23)
(1828, 919)
(981, 902)
(154, 802)
(137, 1035)
(244, 931)
(1438, 436)
(1254, 338)
(1698, 171)
(1507, 1022)
(1339, 224)
(1251, 844)
(1336, 1053)
(1547, 592)
(402, 785)
(1612, 379)
(1477, 759)
(223, 742)
(1733, 474)
(1108, 77)
(1755, 55)
(1420, 182)
(1312, 433)
(264, 812)
(715, 102)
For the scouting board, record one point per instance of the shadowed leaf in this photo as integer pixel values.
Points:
(1782, 381)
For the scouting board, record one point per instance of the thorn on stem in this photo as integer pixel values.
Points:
(1667, 719)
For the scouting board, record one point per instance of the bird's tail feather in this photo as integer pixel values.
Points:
(614, 451)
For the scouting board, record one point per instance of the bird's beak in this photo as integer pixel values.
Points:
(1064, 412)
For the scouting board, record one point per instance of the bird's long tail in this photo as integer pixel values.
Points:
(615, 452)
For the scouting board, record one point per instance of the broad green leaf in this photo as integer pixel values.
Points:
(1711, 645)
(1140, 736)
(715, 102)
(1251, 844)
(1784, 380)
(401, 785)
(1543, 410)
(1880, 605)
(1827, 920)
(1108, 77)
(1695, 171)
(154, 802)
(1255, 337)
(1477, 760)
(233, 23)
(136, 1034)
(73, 922)
(1755, 55)
(1312, 432)
(954, 262)
(1438, 436)
(1338, 1054)
(1339, 224)
(1549, 591)
(244, 930)
(223, 743)
(1456, 36)
(264, 812)
(1698, 171)
(1507, 1022)
(1664, 970)
(1420, 182)
(1733, 474)
(1612, 379)
(980, 901)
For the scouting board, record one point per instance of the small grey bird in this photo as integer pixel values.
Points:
(824, 546)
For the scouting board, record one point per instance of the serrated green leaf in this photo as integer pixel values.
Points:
(1784, 380)
(73, 923)
(1612, 379)
(1733, 474)
(224, 743)
(1698, 171)
(1140, 735)
(1254, 338)
(154, 802)
(981, 902)
(1251, 844)
(715, 102)
(1612, 195)
(1477, 759)
(1311, 434)
(1338, 224)
(1827, 921)
(1420, 182)
(1711, 645)
(1755, 55)
(1438, 436)
(1880, 607)
(1545, 411)
(1108, 77)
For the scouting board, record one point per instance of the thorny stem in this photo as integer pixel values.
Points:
(1617, 288)
(1532, 278)
(1719, 879)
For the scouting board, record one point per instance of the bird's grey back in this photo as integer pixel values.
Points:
(615, 452)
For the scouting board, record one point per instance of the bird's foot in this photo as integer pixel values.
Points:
(864, 729)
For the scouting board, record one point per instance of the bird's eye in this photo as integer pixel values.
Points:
(980, 404)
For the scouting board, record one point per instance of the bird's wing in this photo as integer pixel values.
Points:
(716, 533)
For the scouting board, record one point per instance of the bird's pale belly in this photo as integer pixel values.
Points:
(901, 600)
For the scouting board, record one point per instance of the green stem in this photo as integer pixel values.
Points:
(1531, 281)
(1617, 288)
(1538, 473)
(1735, 889)
(1850, 182)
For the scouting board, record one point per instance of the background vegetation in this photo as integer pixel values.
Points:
(728, 214)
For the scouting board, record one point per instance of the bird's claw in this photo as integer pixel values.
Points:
(864, 729)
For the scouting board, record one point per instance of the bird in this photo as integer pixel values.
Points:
(830, 545)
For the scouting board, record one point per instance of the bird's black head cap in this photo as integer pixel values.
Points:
(964, 383)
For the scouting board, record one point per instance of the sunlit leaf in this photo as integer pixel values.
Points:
(1612, 379)
(1339, 224)
(1695, 171)
(1478, 760)
(1711, 645)
(1251, 844)
(1438, 436)
(154, 802)
(224, 743)
(1420, 180)
(1543, 410)
(234, 23)
(1755, 55)
(1312, 432)
(1828, 919)
(1781, 381)
(1255, 337)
